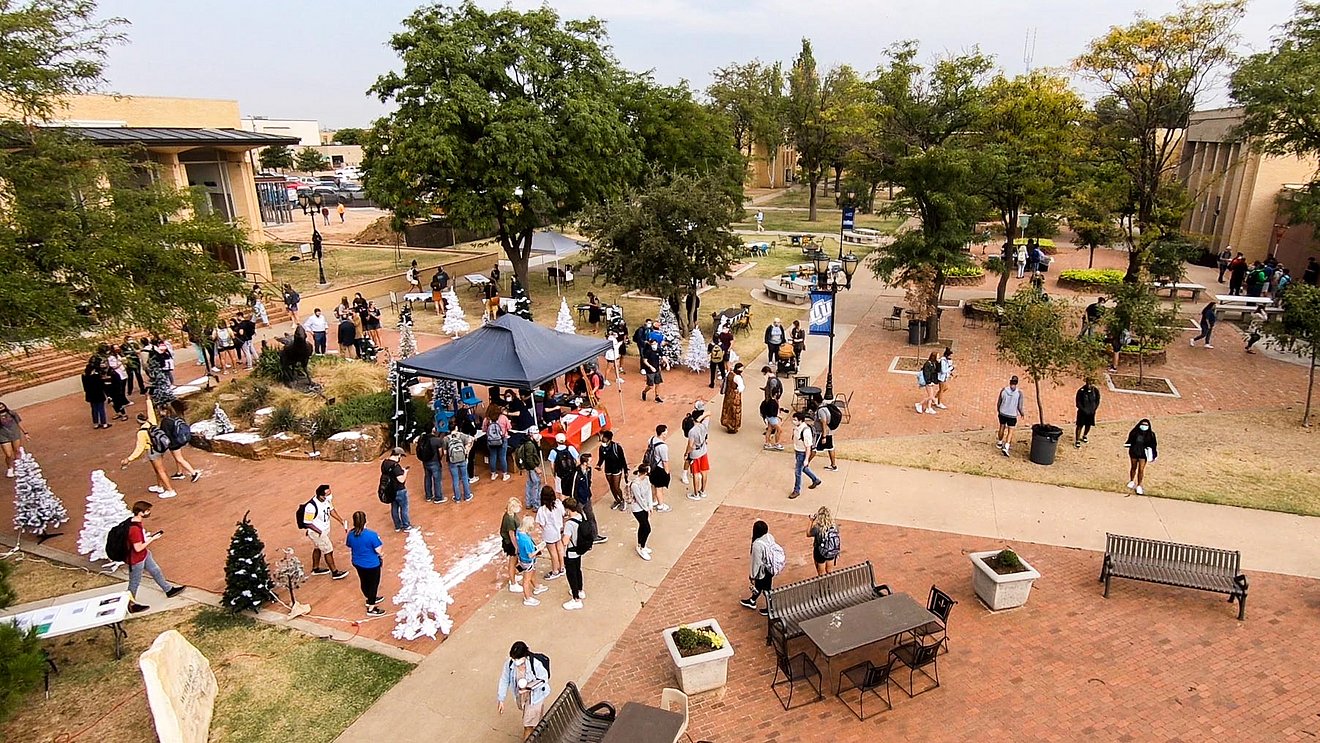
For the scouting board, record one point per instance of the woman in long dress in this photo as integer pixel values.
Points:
(731, 412)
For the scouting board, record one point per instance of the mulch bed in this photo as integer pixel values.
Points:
(1158, 385)
(908, 364)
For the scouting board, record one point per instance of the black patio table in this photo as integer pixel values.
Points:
(857, 626)
(641, 723)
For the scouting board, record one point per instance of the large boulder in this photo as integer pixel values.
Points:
(363, 445)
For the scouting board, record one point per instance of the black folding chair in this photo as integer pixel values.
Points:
(917, 656)
(866, 677)
(794, 668)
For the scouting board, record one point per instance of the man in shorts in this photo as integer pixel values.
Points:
(698, 451)
(770, 410)
(316, 515)
(651, 368)
(658, 459)
(1010, 409)
(820, 426)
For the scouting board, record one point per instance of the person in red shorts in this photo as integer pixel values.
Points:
(139, 558)
(698, 456)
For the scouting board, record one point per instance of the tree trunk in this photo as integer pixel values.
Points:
(1040, 408)
(1141, 362)
(1090, 261)
(870, 199)
(1002, 290)
(838, 174)
(1310, 386)
(518, 249)
(812, 182)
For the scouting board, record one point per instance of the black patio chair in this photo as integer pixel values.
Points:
(866, 677)
(940, 604)
(795, 668)
(917, 656)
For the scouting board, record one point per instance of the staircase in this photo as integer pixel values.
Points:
(23, 370)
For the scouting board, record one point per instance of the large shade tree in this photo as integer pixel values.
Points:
(505, 121)
(90, 242)
(1151, 73)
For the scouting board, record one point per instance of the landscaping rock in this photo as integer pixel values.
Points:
(244, 444)
(364, 445)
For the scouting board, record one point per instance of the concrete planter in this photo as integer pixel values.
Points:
(705, 672)
(999, 592)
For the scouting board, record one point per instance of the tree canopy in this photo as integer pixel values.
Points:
(1297, 330)
(277, 157)
(309, 160)
(350, 135)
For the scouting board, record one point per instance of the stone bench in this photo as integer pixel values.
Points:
(774, 289)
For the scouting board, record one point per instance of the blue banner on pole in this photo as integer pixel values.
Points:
(849, 213)
(821, 318)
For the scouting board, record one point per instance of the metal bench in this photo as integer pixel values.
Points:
(1173, 564)
(790, 605)
(568, 720)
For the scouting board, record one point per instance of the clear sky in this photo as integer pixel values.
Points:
(314, 59)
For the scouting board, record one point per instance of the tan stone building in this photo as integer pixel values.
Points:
(772, 171)
(195, 143)
(1236, 191)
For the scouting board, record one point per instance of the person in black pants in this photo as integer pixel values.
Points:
(573, 518)
(582, 494)
(365, 546)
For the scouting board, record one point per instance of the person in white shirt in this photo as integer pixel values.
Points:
(803, 442)
(1010, 409)
(657, 457)
(317, 326)
(316, 515)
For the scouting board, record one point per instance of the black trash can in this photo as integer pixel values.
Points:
(1044, 443)
(915, 330)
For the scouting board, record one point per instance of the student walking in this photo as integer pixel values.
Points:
(946, 373)
(176, 427)
(1255, 329)
(365, 551)
(11, 436)
(564, 464)
(697, 454)
(550, 517)
(527, 554)
(657, 456)
(766, 554)
(614, 462)
(574, 539)
(140, 559)
(1088, 401)
(718, 365)
(509, 542)
(153, 442)
(1208, 320)
(394, 477)
(1142, 448)
(928, 379)
(1010, 408)
(314, 519)
(291, 300)
(823, 423)
(640, 502)
(825, 543)
(803, 444)
(528, 677)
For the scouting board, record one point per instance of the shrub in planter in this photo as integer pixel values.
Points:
(963, 275)
(377, 407)
(281, 419)
(1093, 278)
(700, 654)
(696, 641)
(1001, 579)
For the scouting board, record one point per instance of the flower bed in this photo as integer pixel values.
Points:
(1088, 279)
(964, 276)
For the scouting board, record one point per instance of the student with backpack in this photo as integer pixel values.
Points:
(313, 517)
(497, 437)
(564, 464)
(825, 420)
(176, 427)
(527, 675)
(718, 364)
(457, 447)
(528, 458)
(825, 543)
(154, 442)
(579, 538)
(657, 458)
(428, 448)
(138, 555)
(767, 561)
(393, 489)
(583, 495)
(928, 379)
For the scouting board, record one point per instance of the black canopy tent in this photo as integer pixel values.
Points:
(509, 352)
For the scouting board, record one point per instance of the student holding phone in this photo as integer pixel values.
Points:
(139, 558)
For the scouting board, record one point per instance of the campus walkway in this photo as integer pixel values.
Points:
(451, 694)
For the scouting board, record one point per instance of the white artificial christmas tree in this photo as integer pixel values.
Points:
(407, 341)
(697, 359)
(105, 510)
(671, 354)
(222, 422)
(423, 599)
(36, 509)
(564, 323)
(455, 323)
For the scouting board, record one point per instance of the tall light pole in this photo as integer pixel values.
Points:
(827, 280)
(312, 202)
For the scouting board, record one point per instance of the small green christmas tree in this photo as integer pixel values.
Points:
(247, 576)
(522, 304)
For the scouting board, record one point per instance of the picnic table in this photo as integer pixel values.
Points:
(476, 280)
(1242, 299)
(642, 723)
(1243, 305)
(858, 626)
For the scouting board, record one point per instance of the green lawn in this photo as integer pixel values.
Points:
(797, 196)
(827, 222)
(349, 265)
(782, 254)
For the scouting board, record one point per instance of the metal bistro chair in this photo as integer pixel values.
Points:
(864, 677)
(895, 318)
(917, 656)
(795, 668)
(940, 604)
(799, 382)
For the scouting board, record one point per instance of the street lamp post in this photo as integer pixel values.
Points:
(312, 202)
(828, 280)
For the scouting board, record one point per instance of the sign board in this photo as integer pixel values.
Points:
(849, 213)
(181, 689)
(821, 316)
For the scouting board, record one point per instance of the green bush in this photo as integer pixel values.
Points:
(326, 422)
(22, 661)
(377, 407)
(253, 401)
(1009, 559)
(964, 272)
(268, 364)
(281, 419)
(1100, 278)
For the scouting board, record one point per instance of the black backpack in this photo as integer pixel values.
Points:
(836, 417)
(302, 509)
(543, 659)
(160, 441)
(565, 463)
(586, 535)
(116, 541)
(385, 491)
(425, 451)
(178, 430)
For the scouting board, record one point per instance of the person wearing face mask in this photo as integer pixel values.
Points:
(1141, 449)
(140, 559)
(527, 674)
(1010, 409)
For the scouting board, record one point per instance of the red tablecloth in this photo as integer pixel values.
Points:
(578, 427)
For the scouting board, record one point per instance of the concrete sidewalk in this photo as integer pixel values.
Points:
(451, 694)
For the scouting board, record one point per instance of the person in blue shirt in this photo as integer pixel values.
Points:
(529, 679)
(366, 549)
(527, 554)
